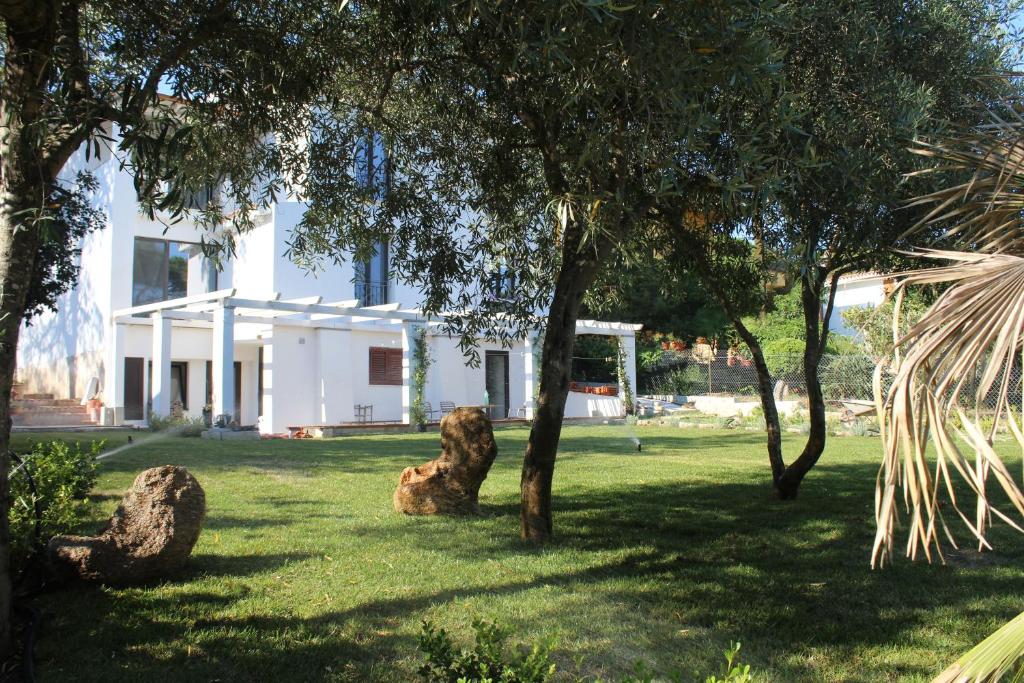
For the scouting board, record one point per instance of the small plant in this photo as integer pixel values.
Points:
(421, 363)
(628, 403)
(61, 477)
(489, 661)
(733, 671)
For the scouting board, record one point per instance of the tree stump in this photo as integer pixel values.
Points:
(451, 483)
(150, 535)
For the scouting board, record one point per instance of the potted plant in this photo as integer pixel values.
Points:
(95, 408)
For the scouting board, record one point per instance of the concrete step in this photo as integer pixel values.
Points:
(48, 408)
(51, 420)
(33, 397)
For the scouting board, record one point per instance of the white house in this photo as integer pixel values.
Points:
(261, 340)
(858, 290)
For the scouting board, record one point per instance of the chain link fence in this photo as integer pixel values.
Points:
(846, 377)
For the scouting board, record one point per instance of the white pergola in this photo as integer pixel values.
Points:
(221, 310)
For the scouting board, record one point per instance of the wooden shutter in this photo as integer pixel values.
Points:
(385, 366)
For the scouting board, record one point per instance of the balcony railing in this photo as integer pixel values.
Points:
(371, 293)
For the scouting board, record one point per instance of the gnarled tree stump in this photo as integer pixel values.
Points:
(150, 535)
(450, 484)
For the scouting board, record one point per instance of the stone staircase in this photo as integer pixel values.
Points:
(43, 410)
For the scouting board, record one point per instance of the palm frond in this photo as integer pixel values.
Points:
(985, 210)
(952, 362)
(991, 659)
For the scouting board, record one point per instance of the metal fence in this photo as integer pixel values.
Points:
(842, 377)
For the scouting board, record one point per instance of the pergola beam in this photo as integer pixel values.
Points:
(219, 295)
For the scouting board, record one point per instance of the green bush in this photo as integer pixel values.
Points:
(63, 476)
(489, 661)
(182, 426)
(688, 380)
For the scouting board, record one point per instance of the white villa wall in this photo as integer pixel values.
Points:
(310, 375)
(253, 266)
(386, 399)
(334, 376)
(451, 379)
(862, 292)
(59, 352)
(333, 282)
(290, 386)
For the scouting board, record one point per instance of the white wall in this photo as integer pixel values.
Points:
(385, 399)
(290, 386)
(864, 293)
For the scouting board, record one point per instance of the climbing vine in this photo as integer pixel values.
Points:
(627, 390)
(421, 364)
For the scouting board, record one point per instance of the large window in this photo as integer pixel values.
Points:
(160, 270)
(372, 278)
(373, 169)
(501, 283)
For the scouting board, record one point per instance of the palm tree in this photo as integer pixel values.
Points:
(954, 367)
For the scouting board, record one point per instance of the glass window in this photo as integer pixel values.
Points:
(372, 168)
(149, 272)
(372, 278)
(177, 270)
(160, 270)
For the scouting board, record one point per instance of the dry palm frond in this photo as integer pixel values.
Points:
(960, 355)
(985, 210)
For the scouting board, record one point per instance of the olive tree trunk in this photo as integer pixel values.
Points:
(580, 265)
(25, 179)
(786, 479)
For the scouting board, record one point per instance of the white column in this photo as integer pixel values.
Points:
(529, 372)
(113, 378)
(223, 361)
(628, 345)
(161, 389)
(408, 334)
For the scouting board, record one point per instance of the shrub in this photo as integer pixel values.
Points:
(182, 426)
(63, 475)
(489, 661)
(689, 380)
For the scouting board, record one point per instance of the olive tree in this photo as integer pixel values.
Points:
(190, 84)
(538, 139)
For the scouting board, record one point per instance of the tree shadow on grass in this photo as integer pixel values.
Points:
(649, 561)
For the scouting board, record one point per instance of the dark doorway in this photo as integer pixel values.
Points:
(496, 372)
(134, 388)
(236, 413)
(259, 383)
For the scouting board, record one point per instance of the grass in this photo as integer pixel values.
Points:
(305, 572)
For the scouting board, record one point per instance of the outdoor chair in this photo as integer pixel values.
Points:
(364, 413)
(517, 412)
(446, 407)
(428, 411)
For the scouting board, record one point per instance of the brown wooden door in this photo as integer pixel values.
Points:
(134, 388)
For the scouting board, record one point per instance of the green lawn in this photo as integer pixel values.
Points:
(305, 572)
